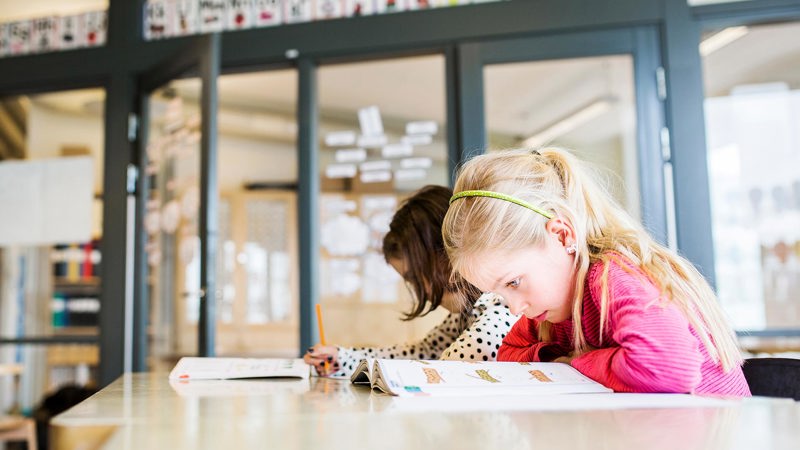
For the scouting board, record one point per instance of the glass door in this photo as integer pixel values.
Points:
(177, 208)
(594, 93)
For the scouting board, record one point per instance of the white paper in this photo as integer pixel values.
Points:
(239, 14)
(375, 165)
(71, 32)
(212, 15)
(416, 163)
(349, 155)
(344, 235)
(389, 6)
(417, 139)
(185, 17)
(397, 150)
(96, 27)
(376, 176)
(267, 13)
(422, 127)
(297, 11)
(44, 202)
(19, 37)
(328, 9)
(410, 174)
(340, 171)
(356, 8)
(372, 141)
(44, 34)
(369, 119)
(3, 39)
(340, 138)
(156, 20)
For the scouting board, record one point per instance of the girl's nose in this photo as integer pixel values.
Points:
(516, 306)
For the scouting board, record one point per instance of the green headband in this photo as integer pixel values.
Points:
(498, 195)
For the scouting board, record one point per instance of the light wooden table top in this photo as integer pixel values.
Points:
(144, 411)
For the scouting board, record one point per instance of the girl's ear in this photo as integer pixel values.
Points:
(562, 229)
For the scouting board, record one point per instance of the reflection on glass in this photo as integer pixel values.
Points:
(50, 284)
(171, 220)
(752, 104)
(258, 294)
(380, 140)
(588, 107)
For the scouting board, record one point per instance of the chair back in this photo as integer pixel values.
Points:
(773, 377)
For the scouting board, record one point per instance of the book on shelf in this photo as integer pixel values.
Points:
(207, 368)
(410, 378)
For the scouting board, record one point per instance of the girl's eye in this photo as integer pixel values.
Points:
(513, 283)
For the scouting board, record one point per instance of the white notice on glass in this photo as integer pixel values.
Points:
(370, 120)
(340, 138)
(422, 127)
(397, 150)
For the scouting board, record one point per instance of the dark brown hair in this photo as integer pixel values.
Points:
(415, 236)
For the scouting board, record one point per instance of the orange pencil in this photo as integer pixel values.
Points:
(321, 331)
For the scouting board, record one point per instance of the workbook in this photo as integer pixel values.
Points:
(198, 368)
(410, 378)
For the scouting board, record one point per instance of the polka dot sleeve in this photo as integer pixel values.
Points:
(430, 347)
(481, 340)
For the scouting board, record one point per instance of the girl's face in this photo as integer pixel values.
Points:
(536, 281)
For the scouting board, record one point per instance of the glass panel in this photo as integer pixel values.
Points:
(171, 219)
(51, 187)
(381, 139)
(752, 107)
(588, 108)
(259, 302)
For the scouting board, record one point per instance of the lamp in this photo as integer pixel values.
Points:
(569, 123)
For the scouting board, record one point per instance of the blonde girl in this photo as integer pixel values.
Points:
(596, 291)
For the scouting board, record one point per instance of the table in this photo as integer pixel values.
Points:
(146, 411)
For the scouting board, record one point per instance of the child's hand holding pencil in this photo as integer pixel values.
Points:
(321, 356)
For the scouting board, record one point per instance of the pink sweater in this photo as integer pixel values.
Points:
(646, 347)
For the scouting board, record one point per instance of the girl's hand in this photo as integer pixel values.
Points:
(318, 355)
(568, 359)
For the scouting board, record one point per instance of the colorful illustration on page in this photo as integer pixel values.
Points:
(539, 375)
(432, 376)
(484, 375)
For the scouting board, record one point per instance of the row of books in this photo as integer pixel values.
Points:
(76, 262)
(75, 311)
(46, 34)
(167, 18)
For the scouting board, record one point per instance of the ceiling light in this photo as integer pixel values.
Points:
(569, 123)
(718, 40)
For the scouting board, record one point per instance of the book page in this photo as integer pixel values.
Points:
(418, 377)
(363, 372)
(196, 368)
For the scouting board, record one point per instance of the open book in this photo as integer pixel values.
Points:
(408, 378)
(197, 368)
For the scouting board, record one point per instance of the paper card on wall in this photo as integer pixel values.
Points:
(342, 277)
(422, 127)
(375, 165)
(240, 14)
(355, 8)
(372, 141)
(340, 171)
(347, 155)
(389, 6)
(417, 139)
(267, 13)
(44, 202)
(44, 34)
(419, 4)
(369, 119)
(340, 138)
(156, 20)
(397, 150)
(3, 39)
(344, 235)
(185, 16)
(376, 176)
(410, 174)
(19, 37)
(298, 11)
(380, 280)
(96, 28)
(212, 15)
(378, 211)
(422, 162)
(329, 9)
(72, 33)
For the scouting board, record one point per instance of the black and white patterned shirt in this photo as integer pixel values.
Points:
(475, 339)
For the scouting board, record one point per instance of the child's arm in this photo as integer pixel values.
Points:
(522, 344)
(481, 340)
(656, 350)
(430, 347)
